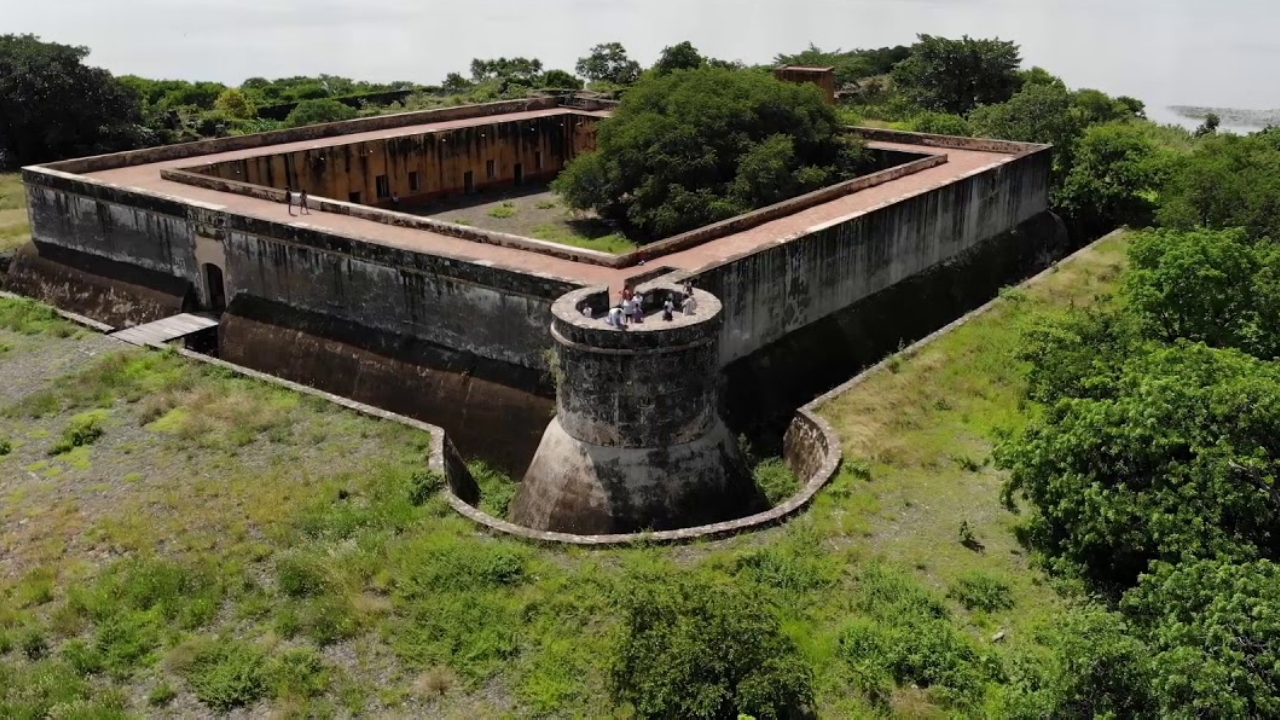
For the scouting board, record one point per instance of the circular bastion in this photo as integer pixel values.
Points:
(637, 442)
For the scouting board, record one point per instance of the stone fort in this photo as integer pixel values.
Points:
(484, 333)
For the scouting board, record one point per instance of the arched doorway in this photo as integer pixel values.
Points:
(215, 287)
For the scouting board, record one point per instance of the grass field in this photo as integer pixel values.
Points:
(539, 215)
(14, 228)
(174, 539)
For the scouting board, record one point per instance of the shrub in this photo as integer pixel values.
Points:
(329, 619)
(161, 695)
(226, 673)
(505, 210)
(125, 640)
(691, 648)
(982, 592)
(299, 575)
(423, 484)
(84, 429)
(83, 658)
(299, 672)
(33, 642)
(6, 447)
(776, 480)
(497, 489)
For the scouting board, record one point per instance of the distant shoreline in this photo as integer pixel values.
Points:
(1235, 117)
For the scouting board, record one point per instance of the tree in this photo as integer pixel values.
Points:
(692, 649)
(1039, 76)
(850, 66)
(1228, 181)
(523, 71)
(1209, 126)
(1178, 463)
(1095, 107)
(609, 63)
(1099, 667)
(679, 57)
(454, 83)
(1037, 113)
(941, 124)
(561, 80)
(54, 106)
(703, 145)
(1114, 177)
(1213, 287)
(1214, 628)
(955, 76)
(313, 112)
(234, 104)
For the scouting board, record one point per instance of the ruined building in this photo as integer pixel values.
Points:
(483, 333)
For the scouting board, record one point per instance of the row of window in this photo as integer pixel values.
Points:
(383, 184)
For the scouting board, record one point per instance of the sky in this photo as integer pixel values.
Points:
(1163, 51)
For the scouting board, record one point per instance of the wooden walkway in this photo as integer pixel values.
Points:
(166, 330)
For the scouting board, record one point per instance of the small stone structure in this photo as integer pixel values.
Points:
(823, 77)
(637, 442)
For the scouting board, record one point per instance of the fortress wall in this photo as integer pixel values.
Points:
(484, 310)
(420, 168)
(130, 158)
(773, 292)
(96, 219)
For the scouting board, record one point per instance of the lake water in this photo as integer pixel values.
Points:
(1166, 52)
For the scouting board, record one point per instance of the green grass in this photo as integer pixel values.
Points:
(565, 235)
(505, 210)
(14, 227)
(230, 559)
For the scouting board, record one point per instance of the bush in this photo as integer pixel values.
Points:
(300, 575)
(299, 672)
(226, 674)
(33, 642)
(423, 484)
(691, 648)
(694, 147)
(84, 429)
(941, 124)
(321, 110)
(497, 489)
(776, 480)
(982, 592)
(6, 447)
(161, 695)
(505, 210)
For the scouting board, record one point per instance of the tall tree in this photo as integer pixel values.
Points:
(1228, 181)
(1114, 176)
(608, 62)
(955, 76)
(54, 106)
(683, 56)
(703, 145)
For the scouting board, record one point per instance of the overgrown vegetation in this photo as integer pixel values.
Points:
(693, 147)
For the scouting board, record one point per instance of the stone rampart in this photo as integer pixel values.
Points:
(786, 286)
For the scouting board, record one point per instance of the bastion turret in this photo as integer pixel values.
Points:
(637, 442)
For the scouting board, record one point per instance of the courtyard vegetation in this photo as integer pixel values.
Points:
(1063, 508)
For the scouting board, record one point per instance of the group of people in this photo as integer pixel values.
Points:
(300, 198)
(630, 311)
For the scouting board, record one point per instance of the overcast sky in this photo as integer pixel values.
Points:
(1163, 51)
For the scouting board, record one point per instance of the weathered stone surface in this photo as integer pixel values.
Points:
(637, 443)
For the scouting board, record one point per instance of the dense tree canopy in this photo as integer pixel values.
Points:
(1177, 463)
(699, 146)
(689, 649)
(1038, 113)
(1214, 628)
(683, 56)
(1114, 179)
(1228, 181)
(311, 112)
(608, 62)
(1214, 287)
(852, 65)
(956, 76)
(52, 105)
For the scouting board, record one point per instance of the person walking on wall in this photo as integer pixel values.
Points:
(288, 198)
(302, 202)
